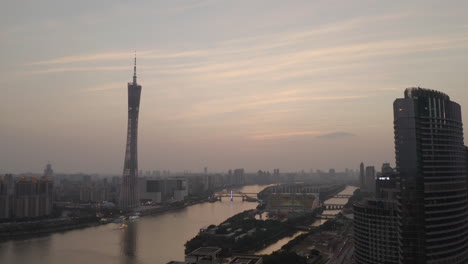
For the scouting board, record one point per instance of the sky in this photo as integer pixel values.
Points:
(295, 85)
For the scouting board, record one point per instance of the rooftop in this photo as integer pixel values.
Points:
(415, 92)
(250, 259)
(205, 251)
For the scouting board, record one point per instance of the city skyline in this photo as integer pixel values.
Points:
(292, 87)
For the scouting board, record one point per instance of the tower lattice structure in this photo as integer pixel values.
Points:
(129, 191)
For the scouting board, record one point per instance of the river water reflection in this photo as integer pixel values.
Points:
(154, 239)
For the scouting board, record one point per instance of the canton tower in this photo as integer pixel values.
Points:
(128, 192)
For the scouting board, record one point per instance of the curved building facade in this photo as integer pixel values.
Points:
(375, 232)
(432, 178)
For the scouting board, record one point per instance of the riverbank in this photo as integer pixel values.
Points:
(24, 230)
(330, 241)
(37, 228)
(243, 233)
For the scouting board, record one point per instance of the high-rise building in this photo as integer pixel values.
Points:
(48, 171)
(361, 176)
(369, 179)
(6, 196)
(276, 175)
(129, 189)
(431, 178)
(376, 223)
(375, 232)
(33, 197)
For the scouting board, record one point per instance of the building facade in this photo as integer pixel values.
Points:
(376, 223)
(431, 177)
(6, 196)
(172, 189)
(369, 179)
(361, 176)
(33, 197)
(375, 232)
(129, 189)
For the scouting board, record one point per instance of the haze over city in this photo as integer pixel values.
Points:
(251, 84)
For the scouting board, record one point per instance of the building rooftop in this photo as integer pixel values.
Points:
(205, 251)
(247, 259)
(415, 92)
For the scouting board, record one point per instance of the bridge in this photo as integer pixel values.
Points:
(333, 206)
(232, 194)
(326, 216)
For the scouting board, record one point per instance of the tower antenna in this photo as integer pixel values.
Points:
(134, 71)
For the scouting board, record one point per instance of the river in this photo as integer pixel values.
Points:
(155, 239)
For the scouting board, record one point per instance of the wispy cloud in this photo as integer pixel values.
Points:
(250, 103)
(79, 69)
(273, 135)
(335, 135)
(236, 46)
(107, 56)
(105, 87)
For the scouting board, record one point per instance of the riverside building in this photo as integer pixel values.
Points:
(431, 178)
(376, 224)
(420, 212)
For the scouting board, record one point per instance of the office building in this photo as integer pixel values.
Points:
(369, 179)
(375, 232)
(376, 224)
(431, 178)
(361, 176)
(172, 189)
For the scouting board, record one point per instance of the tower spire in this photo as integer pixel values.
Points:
(134, 72)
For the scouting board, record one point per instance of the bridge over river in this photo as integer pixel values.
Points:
(246, 196)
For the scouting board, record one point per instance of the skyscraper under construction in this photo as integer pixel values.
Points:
(128, 192)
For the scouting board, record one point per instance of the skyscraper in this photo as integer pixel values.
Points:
(48, 171)
(376, 224)
(129, 190)
(369, 180)
(431, 178)
(361, 176)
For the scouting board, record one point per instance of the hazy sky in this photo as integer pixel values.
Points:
(243, 83)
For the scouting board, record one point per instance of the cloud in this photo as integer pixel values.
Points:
(105, 87)
(335, 135)
(107, 56)
(255, 102)
(235, 46)
(80, 69)
(272, 135)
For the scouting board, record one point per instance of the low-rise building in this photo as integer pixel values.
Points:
(204, 255)
(246, 259)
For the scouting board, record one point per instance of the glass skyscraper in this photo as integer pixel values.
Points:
(431, 178)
